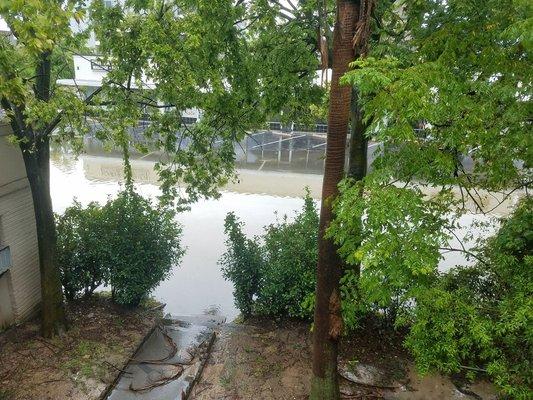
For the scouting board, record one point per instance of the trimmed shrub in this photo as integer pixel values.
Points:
(127, 243)
(241, 264)
(145, 243)
(290, 254)
(273, 274)
(81, 251)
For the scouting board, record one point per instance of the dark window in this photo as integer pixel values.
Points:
(321, 128)
(5, 259)
(95, 66)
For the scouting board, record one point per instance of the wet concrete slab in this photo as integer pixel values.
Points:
(170, 360)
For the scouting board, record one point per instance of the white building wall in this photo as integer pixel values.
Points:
(84, 71)
(89, 73)
(18, 231)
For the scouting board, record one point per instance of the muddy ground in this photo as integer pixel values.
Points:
(79, 365)
(267, 360)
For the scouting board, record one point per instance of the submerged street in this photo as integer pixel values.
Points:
(264, 191)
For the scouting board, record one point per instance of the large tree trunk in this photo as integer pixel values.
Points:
(37, 160)
(328, 318)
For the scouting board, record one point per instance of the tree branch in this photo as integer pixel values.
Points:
(52, 125)
(282, 7)
(467, 252)
(17, 120)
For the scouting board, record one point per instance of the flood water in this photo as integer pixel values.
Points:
(197, 284)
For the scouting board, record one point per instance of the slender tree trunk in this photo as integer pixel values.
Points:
(357, 159)
(35, 148)
(37, 160)
(358, 149)
(328, 318)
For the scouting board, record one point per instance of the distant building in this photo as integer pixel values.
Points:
(89, 74)
(20, 282)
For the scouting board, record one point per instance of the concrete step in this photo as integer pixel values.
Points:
(170, 360)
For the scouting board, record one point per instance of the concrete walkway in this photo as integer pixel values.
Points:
(170, 361)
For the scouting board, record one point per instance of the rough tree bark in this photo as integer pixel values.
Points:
(328, 318)
(36, 156)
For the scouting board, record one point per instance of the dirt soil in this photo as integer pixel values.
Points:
(268, 360)
(80, 364)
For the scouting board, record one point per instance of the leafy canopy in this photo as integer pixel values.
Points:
(232, 61)
(463, 70)
(460, 71)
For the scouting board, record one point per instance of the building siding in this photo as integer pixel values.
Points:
(18, 231)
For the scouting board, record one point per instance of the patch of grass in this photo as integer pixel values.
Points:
(5, 394)
(85, 359)
(228, 375)
(105, 294)
(352, 365)
(150, 303)
(225, 381)
(249, 349)
(263, 368)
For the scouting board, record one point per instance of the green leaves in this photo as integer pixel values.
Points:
(482, 315)
(274, 275)
(466, 78)
(241, 264)
(446, 91)
(128, 243)
(215, 57)
(235, 64)
(145, 243)
(394, 235)
(80, 249)
(38, 25)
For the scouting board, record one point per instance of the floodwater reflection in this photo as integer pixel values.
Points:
(197, 284)
(263, 191)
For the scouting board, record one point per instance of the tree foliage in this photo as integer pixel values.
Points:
(145, 243)
(162, 58)
(182, 55)
(394, 236)
(459, 71)
(447, 92)
(82, 250)
(482, 315)
(463, 69)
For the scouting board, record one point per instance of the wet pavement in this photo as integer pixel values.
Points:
(170, 360)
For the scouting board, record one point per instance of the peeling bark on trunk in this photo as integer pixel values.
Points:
(328, 318)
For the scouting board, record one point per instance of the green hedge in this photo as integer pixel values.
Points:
(275, 273)
(128, 243)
